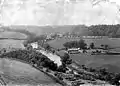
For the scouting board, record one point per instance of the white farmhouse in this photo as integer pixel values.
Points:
(34, 45)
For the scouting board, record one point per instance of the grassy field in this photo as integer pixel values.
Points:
(58, 43)
(6, 43)
(111, 62)
(8, 34)
(15, 72)
(11, 43)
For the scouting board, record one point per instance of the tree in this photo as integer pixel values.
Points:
(103, 71)
(82, 44)
(61, 68)
(106, 47)
(102, 45)
(25, 43)
(66, 59)
(68, 45)
(92, 45)
(29, 47)
(76, 44)
(47, 46)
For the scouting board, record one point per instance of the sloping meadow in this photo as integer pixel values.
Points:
(18, 73)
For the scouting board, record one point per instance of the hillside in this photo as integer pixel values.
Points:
(94, 30)
(15, 72)
(74, 75)
(51, 29)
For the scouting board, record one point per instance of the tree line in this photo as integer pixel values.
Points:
(33, 57)
(104, 30)
(76, 44)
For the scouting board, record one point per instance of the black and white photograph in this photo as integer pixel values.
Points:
(59, 42)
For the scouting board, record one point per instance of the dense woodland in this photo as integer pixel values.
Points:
(104, 30)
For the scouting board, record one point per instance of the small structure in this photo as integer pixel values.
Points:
(74, 50)
(34, 45)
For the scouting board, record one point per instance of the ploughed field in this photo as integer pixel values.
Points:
(19, 73)
(111, 62)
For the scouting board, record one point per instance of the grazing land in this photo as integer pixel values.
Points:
(8, 34)
(111, 62)
(12, 39)
(11, 43)
(22, 73)
(115, 42)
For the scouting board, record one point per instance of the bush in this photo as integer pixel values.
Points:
(66, 59)
(61, 69)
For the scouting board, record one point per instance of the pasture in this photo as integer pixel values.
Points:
(8, 34)
(15, 72)
(58, 43)
(10, 43)
(112, 62)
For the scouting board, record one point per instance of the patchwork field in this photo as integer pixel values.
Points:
(15, 72)
(112, 62)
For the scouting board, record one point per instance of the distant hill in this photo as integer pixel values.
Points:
(94, 30)
(49, 29)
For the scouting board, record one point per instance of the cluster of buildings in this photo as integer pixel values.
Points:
(70, 35)
(85, 37)
(34, 45)
(54, 35)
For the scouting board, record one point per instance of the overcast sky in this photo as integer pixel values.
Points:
(59, 12)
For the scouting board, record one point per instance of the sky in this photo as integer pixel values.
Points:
(59, 12)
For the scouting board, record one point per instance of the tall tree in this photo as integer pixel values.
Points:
(92, 45)
(82, 44)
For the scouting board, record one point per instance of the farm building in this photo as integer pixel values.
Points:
(34, 45)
